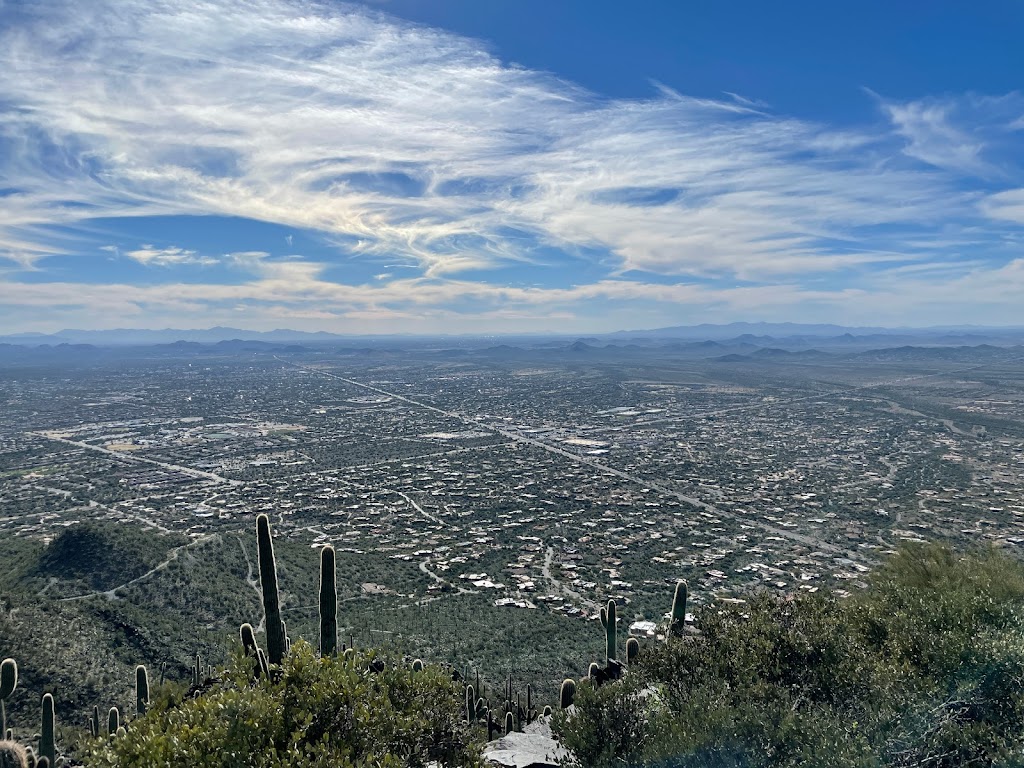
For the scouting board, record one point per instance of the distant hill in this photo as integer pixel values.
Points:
(143, 336)
(101, 556)
(762, 333)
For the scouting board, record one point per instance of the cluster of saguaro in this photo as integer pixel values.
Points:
(513, 715)
(278, 641)
(613, 669)
(114, 724)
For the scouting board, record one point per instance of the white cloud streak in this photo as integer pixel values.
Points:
(166, 257)
(398, 140)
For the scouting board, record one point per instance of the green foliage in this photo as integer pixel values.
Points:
(320, 711)
(610, 721)
(925, 667)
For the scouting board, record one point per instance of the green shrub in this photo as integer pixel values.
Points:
(925, 667)
(327, 712)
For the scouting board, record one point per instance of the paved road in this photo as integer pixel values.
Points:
(139, 459)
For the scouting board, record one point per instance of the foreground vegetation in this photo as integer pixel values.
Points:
(924, 668)
(357, 709)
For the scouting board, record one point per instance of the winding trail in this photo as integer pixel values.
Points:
(560, 585)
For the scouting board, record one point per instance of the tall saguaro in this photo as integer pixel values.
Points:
(8, 682)
(328, 602)
(141, 690)
(609, 622)
(271, 599)
(47, 745)
(677, 627)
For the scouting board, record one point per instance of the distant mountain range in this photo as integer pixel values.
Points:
(144, 337)
(761, 334)
(711, 331)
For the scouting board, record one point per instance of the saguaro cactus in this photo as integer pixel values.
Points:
(470, 704)
(248, 638)
(47, 746)
(567, 694)
(113, 721)
(678, 625)
(8, 682)
(609, 622)
(509, 723)
(141, 690)
(268, 583)
(94, 721)
(632, 649)
(328, 603)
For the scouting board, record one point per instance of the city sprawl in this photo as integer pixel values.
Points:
(523, 487)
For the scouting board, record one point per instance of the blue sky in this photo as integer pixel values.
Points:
(482, 167)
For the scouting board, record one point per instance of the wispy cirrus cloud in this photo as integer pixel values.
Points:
(167, 257)
(967, 135)
(394, 140)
